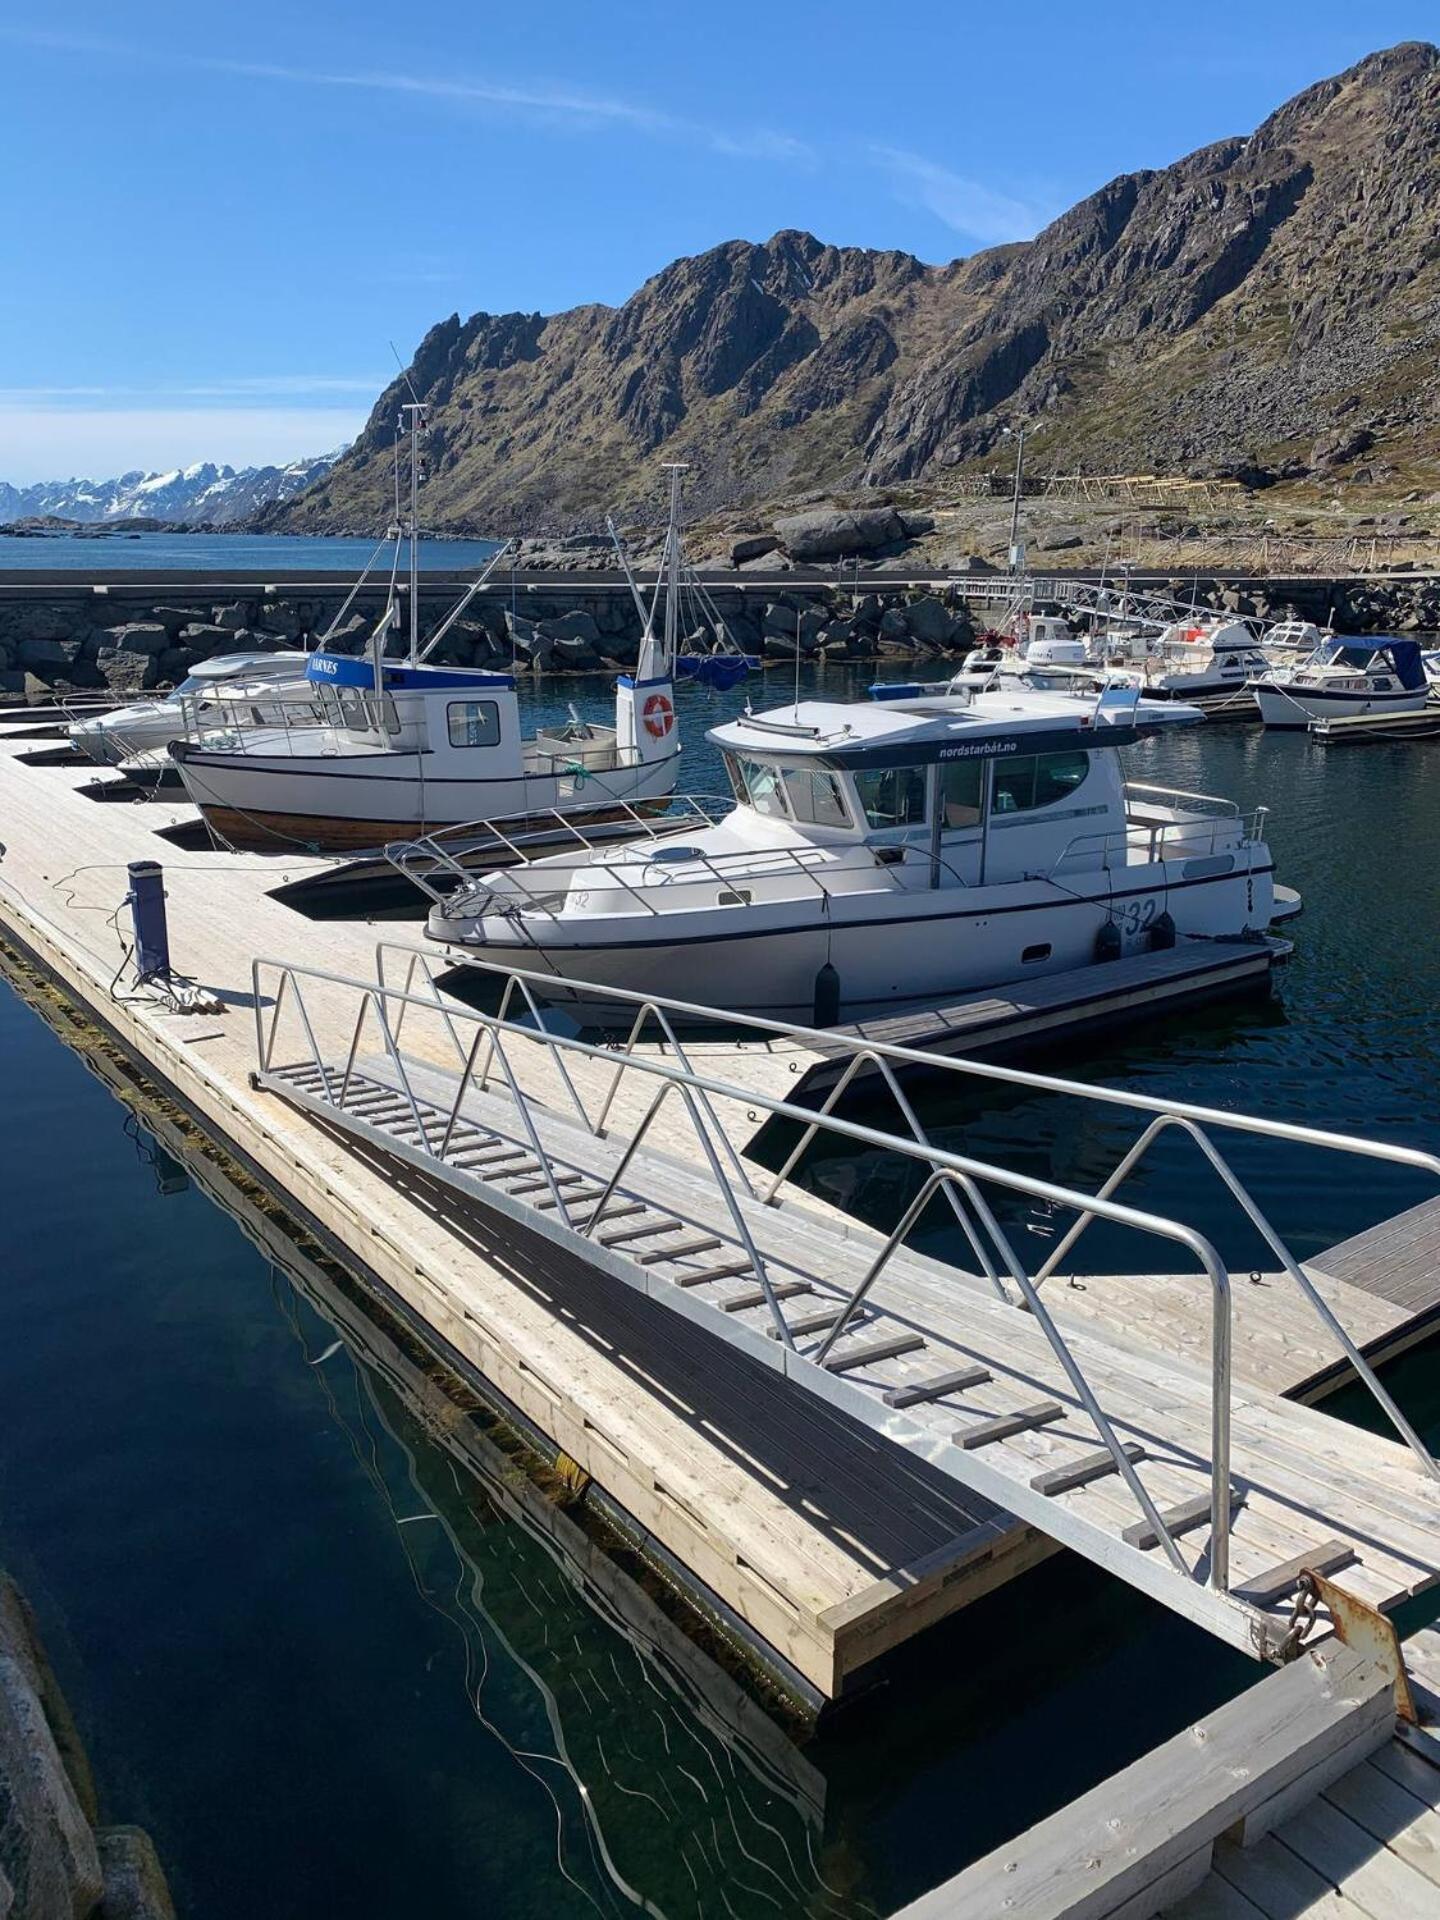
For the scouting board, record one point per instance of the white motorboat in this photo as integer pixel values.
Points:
(1205, 661)
(1343, 678)
(927, 843)
(231, 688)
(405, 747)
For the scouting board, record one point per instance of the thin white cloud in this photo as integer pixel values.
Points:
(49, 443)
(258, 387)
(559, 107)
(968, 206)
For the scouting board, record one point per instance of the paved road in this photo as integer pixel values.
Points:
(45, 581)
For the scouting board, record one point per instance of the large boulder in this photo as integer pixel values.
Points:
(1344, 444)
(752, 546)
(49, 656)
(572, 628)
(930, 620)
(173, 619)
(48, 1855)
(1054, 539)
(138, 636)
(833, 534)
(135, 1886)
(125, 672)
(233, 617)
(282, 619)
(45, 623)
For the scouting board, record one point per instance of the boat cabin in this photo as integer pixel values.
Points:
(947, 787)
(1368, 666)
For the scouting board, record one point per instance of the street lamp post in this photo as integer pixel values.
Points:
(1017, 552)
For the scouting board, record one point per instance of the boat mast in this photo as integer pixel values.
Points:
(672, 566)
(412, 414)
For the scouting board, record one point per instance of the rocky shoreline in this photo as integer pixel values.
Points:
(56, 1858)
(90, 639)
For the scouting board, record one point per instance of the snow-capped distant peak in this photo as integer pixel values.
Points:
(200, 493)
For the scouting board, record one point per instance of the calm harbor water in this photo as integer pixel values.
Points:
(219, 554)
(333, 1672)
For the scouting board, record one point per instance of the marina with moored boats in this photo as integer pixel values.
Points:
(632, 1018)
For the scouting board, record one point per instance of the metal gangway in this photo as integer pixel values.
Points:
(615, 1125)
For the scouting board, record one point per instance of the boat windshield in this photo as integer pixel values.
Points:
(788, 793)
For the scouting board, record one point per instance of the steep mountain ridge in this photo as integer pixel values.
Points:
(1223, 311)
(200, 494)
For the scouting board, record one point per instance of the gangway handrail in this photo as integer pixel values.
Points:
(1169, 1110)
(961, 1168)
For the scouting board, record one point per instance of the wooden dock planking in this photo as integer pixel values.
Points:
(804, 1546)
(1397, 1261)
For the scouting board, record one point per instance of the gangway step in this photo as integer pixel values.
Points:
(936, 1389)
(702, 1243)
(755, 1296)
(1182, 1518)
(873, 1352)
(1090, 1466)
(985, 1433)
(820, 1321)
(641, 1232)
(1328, 1557)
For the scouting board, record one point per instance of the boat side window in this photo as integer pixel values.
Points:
(761, 787)
(815, 798)
(473, 723)
(962, 788)
(355, 710)
(892, 796)
(1037, 780)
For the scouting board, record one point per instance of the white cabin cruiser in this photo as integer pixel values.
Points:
(1207, 661)
(933, 843)
(237, 687)
(1344, 678)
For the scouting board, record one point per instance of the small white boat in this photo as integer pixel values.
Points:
(1207, 661)
(1343, 678)
(231, 688)
(404, 747)
(927, 843)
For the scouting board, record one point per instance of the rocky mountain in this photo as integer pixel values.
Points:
(202, 494)
(1267, 305)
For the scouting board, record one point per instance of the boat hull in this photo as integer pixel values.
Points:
(1295, 708)
(917, 949)
(262, 804)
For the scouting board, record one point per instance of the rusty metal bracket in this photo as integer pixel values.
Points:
(1369, 1632)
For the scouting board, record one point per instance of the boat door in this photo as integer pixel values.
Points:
(958, 820)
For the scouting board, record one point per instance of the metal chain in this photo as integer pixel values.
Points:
(1307, 1602)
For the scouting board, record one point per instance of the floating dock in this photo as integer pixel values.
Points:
(1316, 1793)
(816, 1503)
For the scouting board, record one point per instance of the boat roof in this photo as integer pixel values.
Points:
(358, 670)
(937, 725)
(226, 666)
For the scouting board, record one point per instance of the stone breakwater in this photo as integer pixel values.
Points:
(55, 1857)
(124, 639)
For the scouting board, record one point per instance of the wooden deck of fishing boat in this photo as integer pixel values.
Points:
(1316, 1793)
(825, 1506)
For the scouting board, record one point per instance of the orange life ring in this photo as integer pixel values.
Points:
(658, 715)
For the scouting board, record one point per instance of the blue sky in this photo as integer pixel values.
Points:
(216, 219)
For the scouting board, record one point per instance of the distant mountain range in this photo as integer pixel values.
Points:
(200, 495)
(1268, 305)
